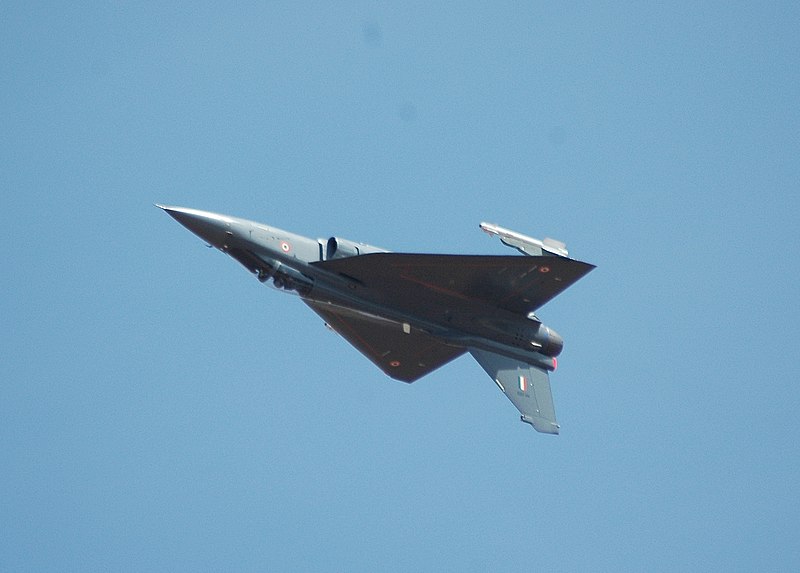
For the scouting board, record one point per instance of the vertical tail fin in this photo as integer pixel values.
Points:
(527, 386)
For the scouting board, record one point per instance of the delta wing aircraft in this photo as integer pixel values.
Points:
(412, 313)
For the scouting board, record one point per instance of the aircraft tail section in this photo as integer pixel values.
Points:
(527, 386)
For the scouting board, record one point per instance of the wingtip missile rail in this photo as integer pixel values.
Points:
(525, 244)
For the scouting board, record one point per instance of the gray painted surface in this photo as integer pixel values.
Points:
(412, 313)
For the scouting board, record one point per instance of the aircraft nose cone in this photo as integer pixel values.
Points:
(210, 227)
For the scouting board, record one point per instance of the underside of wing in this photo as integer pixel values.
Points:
(528, 388)
(402, 352)
(431, 284)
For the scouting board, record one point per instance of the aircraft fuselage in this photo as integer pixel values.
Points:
(411, 313)
(286, 259)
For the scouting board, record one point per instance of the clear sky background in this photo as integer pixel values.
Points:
(162, 410)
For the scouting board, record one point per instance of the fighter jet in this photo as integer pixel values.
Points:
(412, 313)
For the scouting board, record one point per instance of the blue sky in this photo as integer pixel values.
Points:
(162, 410)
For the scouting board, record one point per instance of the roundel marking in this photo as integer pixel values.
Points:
(544, 269)
(285, 247)
(394, 363)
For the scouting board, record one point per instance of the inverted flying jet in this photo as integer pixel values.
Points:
(412, 313)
